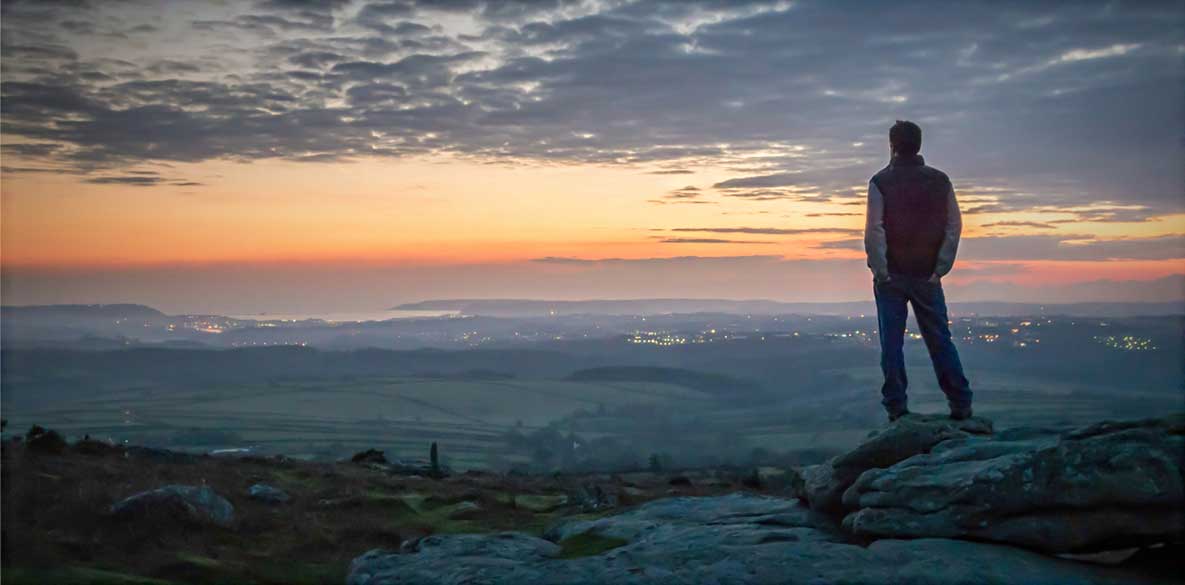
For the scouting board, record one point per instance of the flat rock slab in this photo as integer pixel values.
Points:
(737, 539)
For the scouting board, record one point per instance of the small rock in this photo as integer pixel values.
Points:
(268, 494)
(465, 510)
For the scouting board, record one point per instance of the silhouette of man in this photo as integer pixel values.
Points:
(911, 235)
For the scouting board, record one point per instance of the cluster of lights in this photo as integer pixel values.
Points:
(1126, 343)
(857, 334)
(267, 343)
(475, 338)
(668, 339)
(661, 339)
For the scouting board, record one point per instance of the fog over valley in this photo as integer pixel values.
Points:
(545, 385)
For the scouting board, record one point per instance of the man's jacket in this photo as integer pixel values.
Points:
(913, 222)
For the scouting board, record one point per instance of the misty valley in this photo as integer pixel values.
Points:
(534, 387)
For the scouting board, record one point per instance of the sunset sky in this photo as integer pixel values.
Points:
(287, 155)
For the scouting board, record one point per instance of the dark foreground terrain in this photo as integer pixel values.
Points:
(58, 525)
(923, 500)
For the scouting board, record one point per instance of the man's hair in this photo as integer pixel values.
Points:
(905, 137)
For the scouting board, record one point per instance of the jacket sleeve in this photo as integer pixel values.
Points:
(875, 244)
(950, 238)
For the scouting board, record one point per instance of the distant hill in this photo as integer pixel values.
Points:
(113, 311)
(540, 307)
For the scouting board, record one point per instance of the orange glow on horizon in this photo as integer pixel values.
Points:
(448, 211)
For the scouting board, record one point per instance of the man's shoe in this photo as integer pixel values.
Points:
(960, 413)
(896, 414)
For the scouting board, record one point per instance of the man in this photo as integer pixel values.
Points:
(911, 236)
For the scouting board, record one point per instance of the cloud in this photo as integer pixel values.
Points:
(1071, 248)
(1032, 224)
(133, 181)
(1165, 289)
(794, 99)
(31, 149)
(844, 244)
(680, 200)
(1104, 214)
(1052, 247)
(774, 180)
(769, 230)
(752, 258)
(775, 194)
(708, 241)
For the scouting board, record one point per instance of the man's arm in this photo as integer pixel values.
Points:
(950, 238)
(875, 244)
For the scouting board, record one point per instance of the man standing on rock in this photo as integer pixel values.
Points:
(911, 235)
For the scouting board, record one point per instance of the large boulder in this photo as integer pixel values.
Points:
(739, 538)
(824, 484)
(185, 503)
(1107, 486)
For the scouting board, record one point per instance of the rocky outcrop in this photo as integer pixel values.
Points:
(739, 538)
(1108, 486)
(924, 500)
(184, 503)
(824, 484)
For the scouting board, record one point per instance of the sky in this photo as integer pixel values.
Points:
(285, 155)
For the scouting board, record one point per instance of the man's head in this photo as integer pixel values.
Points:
(905, 138)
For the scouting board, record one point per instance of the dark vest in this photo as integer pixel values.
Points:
(915, 197)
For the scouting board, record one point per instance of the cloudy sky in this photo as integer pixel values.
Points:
(291, 155)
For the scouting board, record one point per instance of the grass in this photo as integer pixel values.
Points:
(540, 503)
(398, 414)
(588, 544)
(74, 576)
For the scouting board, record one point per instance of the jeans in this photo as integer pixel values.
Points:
(929, 307)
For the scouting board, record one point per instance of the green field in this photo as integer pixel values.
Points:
(398, 415)
(475, 420)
